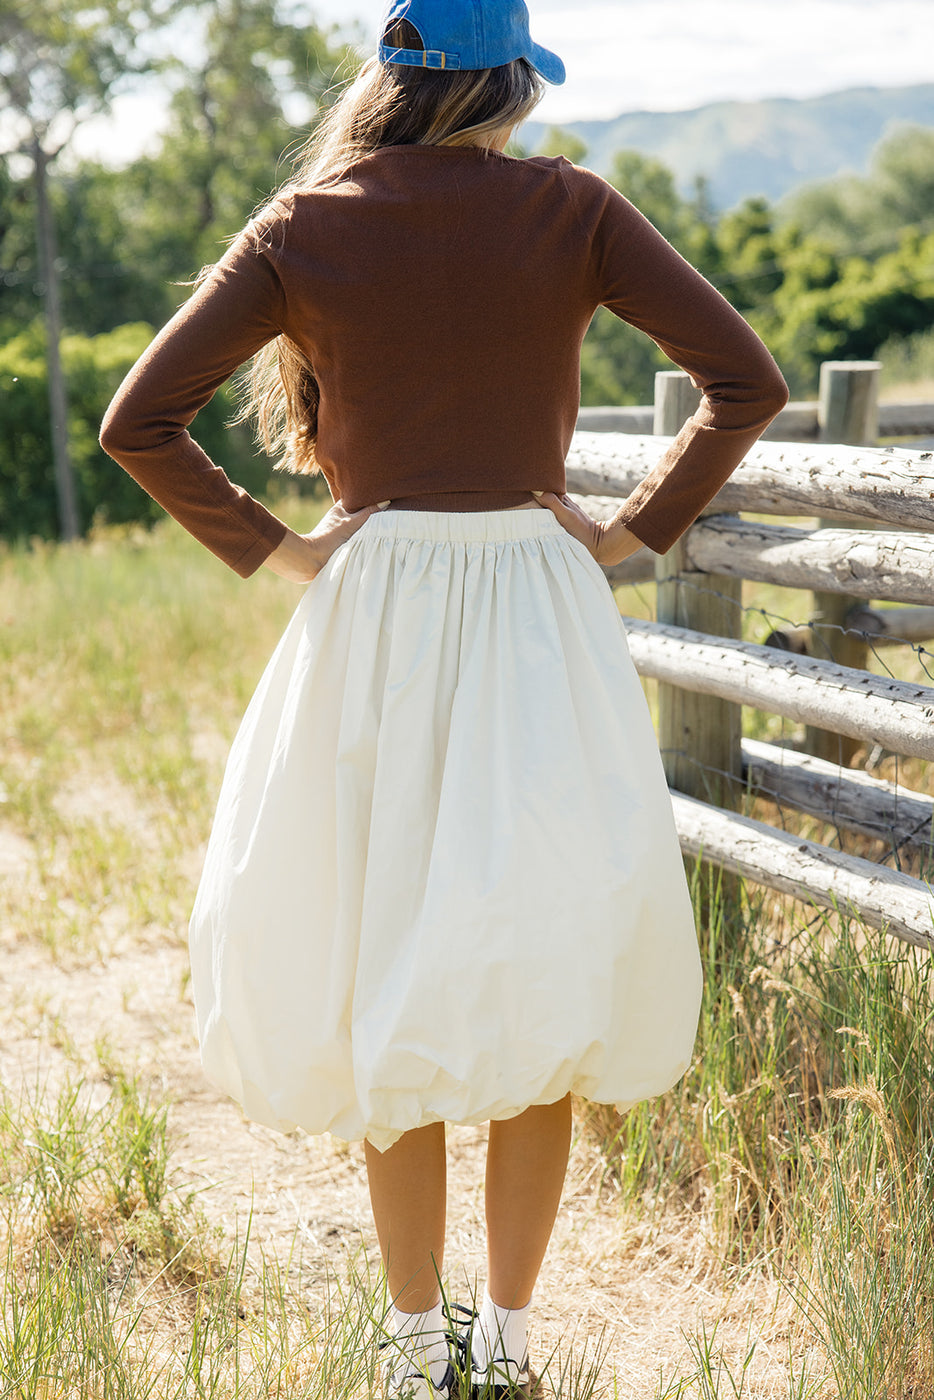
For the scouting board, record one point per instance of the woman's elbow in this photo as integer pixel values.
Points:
(765, 394)
(776, 391)
(123, 429)
(112, 436)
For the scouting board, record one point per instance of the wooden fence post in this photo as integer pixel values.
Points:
(699, 735)
(847, 413)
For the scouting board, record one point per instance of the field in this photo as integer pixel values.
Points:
(766, 1230)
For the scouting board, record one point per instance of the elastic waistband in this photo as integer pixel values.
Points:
(462, 527)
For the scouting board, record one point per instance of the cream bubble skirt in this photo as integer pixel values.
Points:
(443, 881)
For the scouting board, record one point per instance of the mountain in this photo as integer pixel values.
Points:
(755, 148)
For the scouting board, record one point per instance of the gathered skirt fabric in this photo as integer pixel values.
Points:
(443, 881)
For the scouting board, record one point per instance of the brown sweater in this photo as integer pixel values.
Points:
(441, 295)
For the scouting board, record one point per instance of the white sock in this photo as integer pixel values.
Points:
(419, 1343)
(501, 1334)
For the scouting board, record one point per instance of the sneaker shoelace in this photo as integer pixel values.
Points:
(501, 1376)
(399, 1389)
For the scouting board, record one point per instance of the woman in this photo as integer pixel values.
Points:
(443, 882)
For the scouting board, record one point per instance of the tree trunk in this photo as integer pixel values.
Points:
(58, 408)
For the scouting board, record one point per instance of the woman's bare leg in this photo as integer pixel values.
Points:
(526, 1166)
(526, 1163)
(408, 1190)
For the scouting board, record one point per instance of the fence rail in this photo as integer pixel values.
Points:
(881, 897)
(797, 422)
(706, 673)
(877, 709)
(872, 564)
(849, 797)
(893, 487)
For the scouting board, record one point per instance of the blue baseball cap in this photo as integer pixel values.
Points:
(469, 34)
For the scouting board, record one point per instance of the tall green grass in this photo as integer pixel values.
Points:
(114, 1288)
(802, 1137)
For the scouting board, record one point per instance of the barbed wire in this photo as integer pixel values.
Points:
(877, 829)
(817, 628)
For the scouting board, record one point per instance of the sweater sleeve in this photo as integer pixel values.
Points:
(236, 310)
(641, 279)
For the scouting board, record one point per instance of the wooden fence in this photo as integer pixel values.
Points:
(797, 422)
(874, 542)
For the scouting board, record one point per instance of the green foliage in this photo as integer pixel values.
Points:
(130, 240)
(846, 309)
(651, 188)
(856, 261)
(558, 142)
(851, 271)
(113, 270)
(618, 363)
(263, 77)
(902, 172)
(251, 85)
(94, 367)
(864, 214)
(748, 254)
(120, 258)
(18, 276)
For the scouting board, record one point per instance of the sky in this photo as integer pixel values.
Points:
(665, 55)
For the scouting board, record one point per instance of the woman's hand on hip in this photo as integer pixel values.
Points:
(607, 540)
(300, 557)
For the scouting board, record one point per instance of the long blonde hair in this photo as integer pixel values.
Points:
(386, 105)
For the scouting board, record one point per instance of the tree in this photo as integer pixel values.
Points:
(256, 79)
(845, 309)
(650, 186)
(558, 142)
(618, 363)
(842, 266)
(748, 254)
(866, 214)
(249, 70)
(59, 65)
(95, 366)
(902, 171)
(18, 279)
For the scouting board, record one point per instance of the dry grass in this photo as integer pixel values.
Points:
(913, 391)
